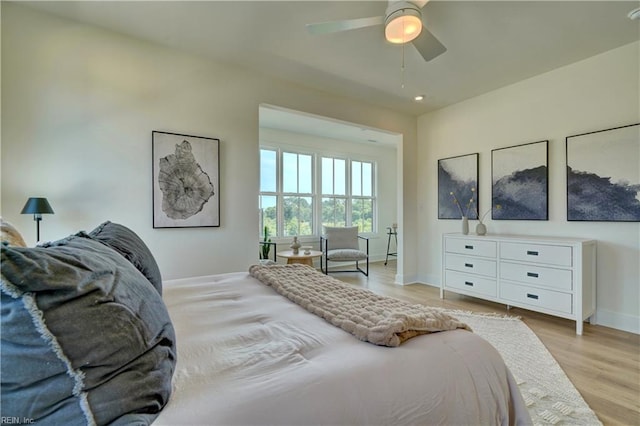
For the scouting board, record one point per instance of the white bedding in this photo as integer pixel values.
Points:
(248, 356)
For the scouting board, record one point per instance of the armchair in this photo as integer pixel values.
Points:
(340, 244)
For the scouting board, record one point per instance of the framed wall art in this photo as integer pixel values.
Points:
(186, 176)
(457, 186)
(603, 175)
(520, 182)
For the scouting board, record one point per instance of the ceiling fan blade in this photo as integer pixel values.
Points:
(419, 3)
(428, 45)
(350, 24)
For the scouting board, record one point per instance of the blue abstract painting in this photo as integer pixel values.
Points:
(457, 186)
(520, 185)
(603, 175)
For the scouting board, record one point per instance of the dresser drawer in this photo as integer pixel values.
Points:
(538, 253)
(471, 265)
(558, 279)
(471, 247)
(536, 297)
(470, 283)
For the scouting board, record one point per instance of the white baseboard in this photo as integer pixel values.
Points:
(624, 322)
(428, 279)
(405, 279)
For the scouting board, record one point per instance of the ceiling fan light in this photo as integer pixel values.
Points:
(403, 26)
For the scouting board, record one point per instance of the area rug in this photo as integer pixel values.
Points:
(549, 394)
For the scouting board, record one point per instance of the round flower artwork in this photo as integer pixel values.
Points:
(185, 186)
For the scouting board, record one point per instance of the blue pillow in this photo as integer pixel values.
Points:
(130, 245)
(85, 337)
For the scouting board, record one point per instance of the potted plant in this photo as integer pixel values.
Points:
(265, 247)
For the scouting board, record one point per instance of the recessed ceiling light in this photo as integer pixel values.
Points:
(634, 14)
(418, 98)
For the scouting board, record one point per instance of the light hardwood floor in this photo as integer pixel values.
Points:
(603, 363)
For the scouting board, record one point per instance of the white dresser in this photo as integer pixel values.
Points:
(556, 276)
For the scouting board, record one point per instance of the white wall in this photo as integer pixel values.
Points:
(594, 94)
(385, 160)
(78, 107)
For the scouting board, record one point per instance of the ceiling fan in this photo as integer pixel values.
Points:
(403, 24)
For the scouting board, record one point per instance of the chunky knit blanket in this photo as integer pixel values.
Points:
(372, 318)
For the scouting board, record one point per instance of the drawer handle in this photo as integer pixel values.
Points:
(468, 247)
(468, 265)
(532, 296)
(532, 253)
(532, 274)
(468, 283)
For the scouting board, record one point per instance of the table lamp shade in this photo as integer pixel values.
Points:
(37, 206)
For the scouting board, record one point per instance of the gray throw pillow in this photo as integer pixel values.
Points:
(130, 245)
(86, 339)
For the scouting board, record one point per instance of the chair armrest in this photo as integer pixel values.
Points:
(367, 249)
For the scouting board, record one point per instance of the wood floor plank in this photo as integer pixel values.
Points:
(603, 363)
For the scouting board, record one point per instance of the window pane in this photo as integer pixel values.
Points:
(305, 174)
(306, 216)
(327, 175)
(356, 178)
(268, 215)
(298, 216)
(340, 187)
(289, 172)
(356, 207)
(267, 170)
(334, 212)
(362, 214)
(367, 215)
(367, 179)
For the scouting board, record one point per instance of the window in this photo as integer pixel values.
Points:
(268, 191)
(341, 207)
(362, 201)
(297, 193)
(288, 193)
(334, 199)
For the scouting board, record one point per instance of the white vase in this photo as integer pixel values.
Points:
(465, 225)
(295, 246)
(481, 229)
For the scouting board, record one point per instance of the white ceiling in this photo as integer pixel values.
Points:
(490, 44)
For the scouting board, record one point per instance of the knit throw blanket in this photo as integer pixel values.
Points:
(372, 318)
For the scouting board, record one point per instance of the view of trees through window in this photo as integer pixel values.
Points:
(362, 195)
(288, 200)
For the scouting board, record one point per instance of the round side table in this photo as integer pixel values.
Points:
(305, 259)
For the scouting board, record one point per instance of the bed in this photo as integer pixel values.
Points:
(122, 347)
(249, 356)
